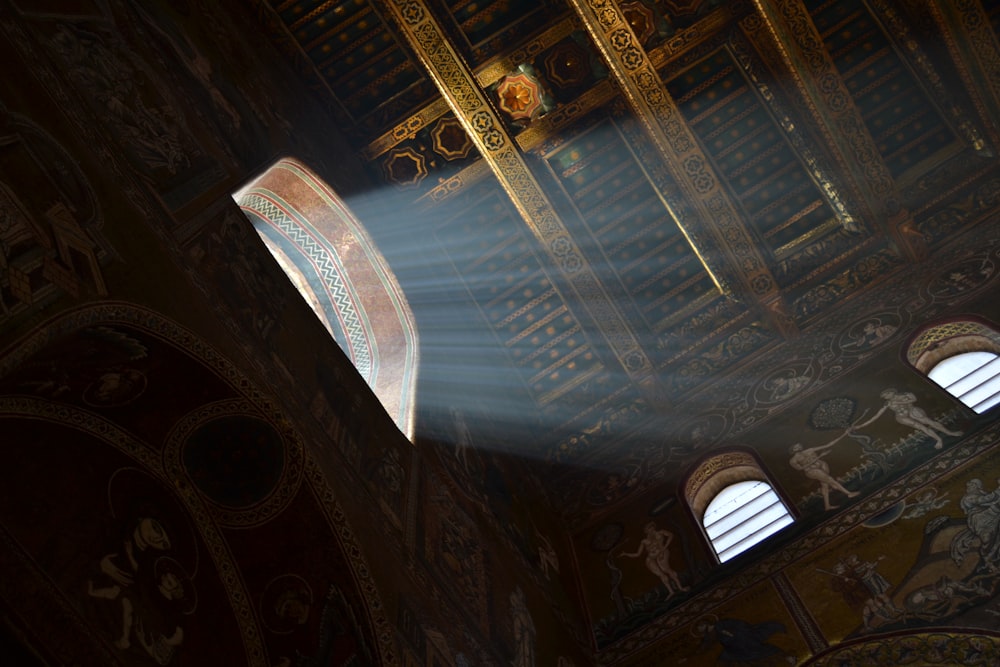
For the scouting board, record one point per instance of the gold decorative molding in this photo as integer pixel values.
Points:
(692, 36)
(822, 174)
(712, 466)
(688, 164)
(406, 130)
(717, 472)
(934, 337)
(461, 90)
(474, 173)
(790, 29)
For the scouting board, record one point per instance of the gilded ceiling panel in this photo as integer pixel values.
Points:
(430, 151)
(646, 254)
(562, 72)
(372, 77)
(770, 182)
(683, 13)
(906, 125)
(631, 207)
(495, 258)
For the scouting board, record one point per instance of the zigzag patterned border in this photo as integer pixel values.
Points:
(349, 312)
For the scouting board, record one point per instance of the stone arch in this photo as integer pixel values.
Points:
(68, 416)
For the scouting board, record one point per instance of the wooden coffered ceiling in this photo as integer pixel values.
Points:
(613, 206)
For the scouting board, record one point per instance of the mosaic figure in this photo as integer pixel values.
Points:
(547, 557)
(878, 608)
(874, 332)
(904, 406)
(943, 598)
(656, 546)
(927, 501)
(864, 589)
(743, 643)
(810, 462)
(153, 591)
(982, 511)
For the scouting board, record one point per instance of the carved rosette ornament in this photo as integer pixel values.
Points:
(520, 96)
(568, 64)
(641, 19)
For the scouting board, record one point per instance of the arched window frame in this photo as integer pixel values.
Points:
(718, 471)
(944, 339)
(336, 267)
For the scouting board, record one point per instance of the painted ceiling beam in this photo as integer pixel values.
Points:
(460, 87)
(822, 173)
(541, 129)
(832, 108)
(689, 166)
(688, 38)
(474, 173)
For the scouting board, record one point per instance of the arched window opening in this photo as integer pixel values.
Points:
(732, 498)
(971, 377)
(742, 515)
(963, 357)
(336, 267)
